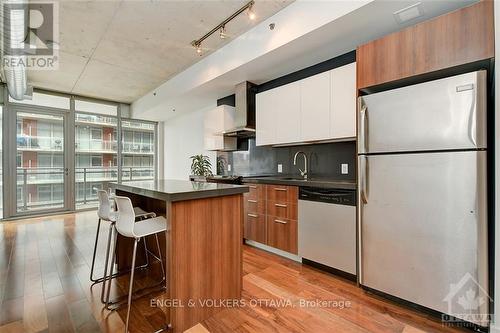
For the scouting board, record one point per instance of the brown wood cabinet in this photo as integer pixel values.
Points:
(282, 234)
(281, 193)
(285, 210)
(254, 227)
(271, 216)
(460, 37)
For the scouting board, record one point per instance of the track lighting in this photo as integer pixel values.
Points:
(221, 27)
(251, 13)
(222, 32)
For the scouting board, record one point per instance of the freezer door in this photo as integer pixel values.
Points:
(423, 230)
(438, 115)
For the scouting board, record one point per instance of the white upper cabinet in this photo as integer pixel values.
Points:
(315, 107)
(278, 115)
(265, 130)
(343, 102)
(216, 121)
(320, 107)
(287, 109)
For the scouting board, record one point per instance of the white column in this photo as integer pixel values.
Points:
(160, 152)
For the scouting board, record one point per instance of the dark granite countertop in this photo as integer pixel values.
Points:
(179, 190)
(296, 181)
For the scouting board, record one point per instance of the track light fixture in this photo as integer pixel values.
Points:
(222, 32)
(221, 27)
(251, 13)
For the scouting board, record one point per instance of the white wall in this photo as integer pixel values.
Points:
(496, 325)
(183, 137)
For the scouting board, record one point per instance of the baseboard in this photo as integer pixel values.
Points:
(274, 250)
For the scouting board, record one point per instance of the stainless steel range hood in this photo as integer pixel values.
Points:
(244, 117)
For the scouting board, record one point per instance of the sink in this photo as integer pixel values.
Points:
(291, 178)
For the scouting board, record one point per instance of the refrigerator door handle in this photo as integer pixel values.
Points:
(361, 181)
(363, 129)
(364, 179)
(472, 117)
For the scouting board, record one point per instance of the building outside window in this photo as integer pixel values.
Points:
(138, 150)
(39, 161)
(40, 154)
(96, 150)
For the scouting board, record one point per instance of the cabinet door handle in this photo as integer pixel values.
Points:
(280, 205)
(252, 201)
(280, 189)
(252, 215)
(253, 186)
(281, 221)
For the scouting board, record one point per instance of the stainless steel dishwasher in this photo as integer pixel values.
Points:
(327, 228)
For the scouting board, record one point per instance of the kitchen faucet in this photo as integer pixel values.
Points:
(303, 173)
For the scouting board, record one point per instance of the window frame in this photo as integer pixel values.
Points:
(71, 152)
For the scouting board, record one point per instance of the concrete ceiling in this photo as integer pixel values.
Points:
(120, 50)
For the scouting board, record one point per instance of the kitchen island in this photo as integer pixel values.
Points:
(202, 244)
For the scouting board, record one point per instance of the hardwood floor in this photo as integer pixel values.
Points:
(45, 287)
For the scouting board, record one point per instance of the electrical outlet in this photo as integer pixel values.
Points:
(229, 167)
(344, 168)
(280, 168)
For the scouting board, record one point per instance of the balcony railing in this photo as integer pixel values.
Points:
(138, 125)
(88, 181)
(96, 146)
(95, 120)
(39, 143)
(138, 148)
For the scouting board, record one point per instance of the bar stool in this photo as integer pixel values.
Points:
(127, 227)
(106, 213)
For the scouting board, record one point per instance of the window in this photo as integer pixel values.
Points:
(44, 160)
(57, 192)
(83, 161)
(50, 194)
(138, 150)
(147, 161)
(96, 134)
(96, 161)
(96, 150)
(44, 193)
(19, 195)
(40, 155)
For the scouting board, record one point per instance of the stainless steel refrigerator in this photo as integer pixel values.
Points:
(422, 210)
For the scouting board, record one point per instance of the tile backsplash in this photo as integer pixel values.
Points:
(325, 160)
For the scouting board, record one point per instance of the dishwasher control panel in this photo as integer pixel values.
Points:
(328, 195)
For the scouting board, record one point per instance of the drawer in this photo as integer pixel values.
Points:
(256, 192)
(281, 193)
(256, 206)
(285, 210)
(255, 227)
(282, 234)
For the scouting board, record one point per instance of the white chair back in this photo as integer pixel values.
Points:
(104, 207)
(126, 217)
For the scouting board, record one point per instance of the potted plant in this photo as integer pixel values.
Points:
(201, 167)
